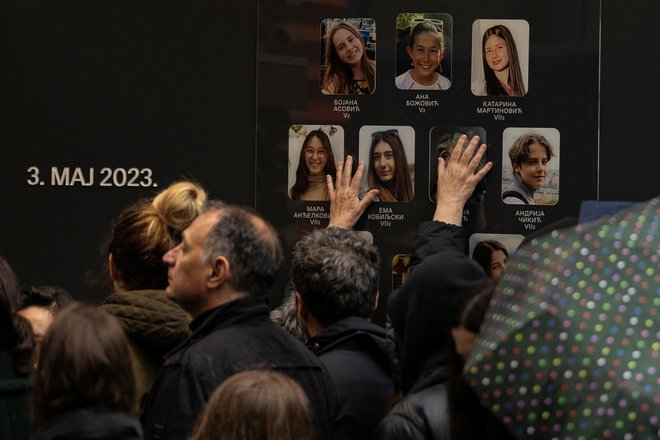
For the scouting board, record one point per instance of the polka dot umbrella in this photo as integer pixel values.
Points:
(570, 348)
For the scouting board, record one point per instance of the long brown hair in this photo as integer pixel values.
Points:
(256, 405)
(493, 85)
(84, 362)
(302, 172)
(399, 189)
(338, 73)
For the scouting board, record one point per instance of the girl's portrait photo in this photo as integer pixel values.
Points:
(348, 59)
(389, 153)
(500, 57)
(425, 39)
(313, 153)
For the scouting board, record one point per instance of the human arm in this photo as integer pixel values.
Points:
(346, 207)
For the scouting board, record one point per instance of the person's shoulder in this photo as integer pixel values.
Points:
(479, 87)
(403, 81)
(444, 82)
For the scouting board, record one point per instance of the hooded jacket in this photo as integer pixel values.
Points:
(356, 353)
(422, 313)
(154, 325)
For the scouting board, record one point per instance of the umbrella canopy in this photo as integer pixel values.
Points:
(570, 348)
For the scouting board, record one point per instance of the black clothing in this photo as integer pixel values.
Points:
(433, 237)
(233, 337)
(423, 414)
(356, 354)
(90, 424)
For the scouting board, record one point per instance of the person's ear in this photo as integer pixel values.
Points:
(516, 168)
(301, 311)
(112, 269)
(410, 52)
(220, 272)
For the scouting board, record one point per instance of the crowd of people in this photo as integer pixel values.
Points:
(187, 347)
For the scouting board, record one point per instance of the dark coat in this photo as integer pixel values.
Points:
(356, 354)
(90, 424)
(15, 398)
(423, 414)
(233, 337)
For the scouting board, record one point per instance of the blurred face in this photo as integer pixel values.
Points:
(188, 273)
(348, 47)
(384, 164)
(463, 341)
(498, 260)
(40, 319)
(425, 55)
(315, 157)
(534, 170)
(497, 53)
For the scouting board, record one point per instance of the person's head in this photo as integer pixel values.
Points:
(286, 316)
(426, 48)
(424, 310)
(227, 252)
(345, 51)
(388, 167)
(335, 275)
(316, 159)
(143, 232)
(15, 331)
(84, 362)
(492, 256)
(500, 55)
(39, 305)
(471, 313)
(529, 157)
(256, 405)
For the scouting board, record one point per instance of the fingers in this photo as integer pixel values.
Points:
(355, 183)
(330, 184)
(348, 166)
(369, 197)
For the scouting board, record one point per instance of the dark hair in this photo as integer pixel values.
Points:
(426, 27)
(50, 298)
(302, 172)
(250, 244)
(335, 271)
(286, 316)
(145, 231)
(337, 72)
(483, 253)
(399, 189)
(493, 85)
(84, 362)
(15, 331)
(256, 405)
(519, 151)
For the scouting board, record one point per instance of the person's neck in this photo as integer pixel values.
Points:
(217, 299)
(425, 81)
(503, 77)
(357, 72)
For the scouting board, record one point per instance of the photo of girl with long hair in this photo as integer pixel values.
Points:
(312, 155)
(386, 150)
(348, 64)
(499, 65)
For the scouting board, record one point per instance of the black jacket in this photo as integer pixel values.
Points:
(356, 354)
(233, 337)
(423, 414)
(90, 424)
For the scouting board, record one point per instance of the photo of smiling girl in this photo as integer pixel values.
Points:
(313, 152)
(347, 64)
(500, 57)
(425, 50)
(386, 151)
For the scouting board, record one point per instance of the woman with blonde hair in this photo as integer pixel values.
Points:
(348, 70)
(256, 405)
(139, 238)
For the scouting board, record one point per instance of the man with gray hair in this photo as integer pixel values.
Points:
(221, 274)
(335, 275)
